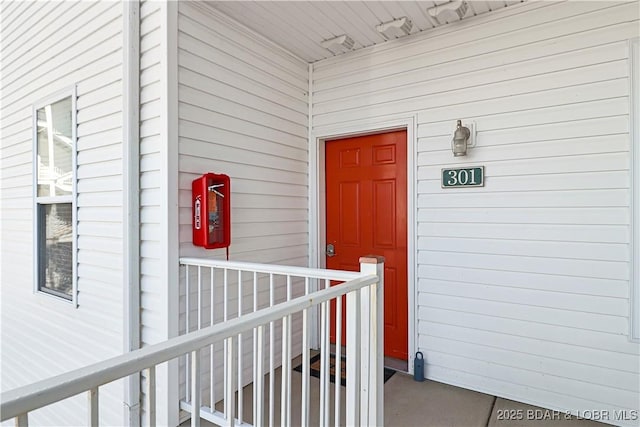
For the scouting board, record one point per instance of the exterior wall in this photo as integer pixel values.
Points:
(150, 167)
(46, 48)
(243, 111)
(522, 285)
(158, 183)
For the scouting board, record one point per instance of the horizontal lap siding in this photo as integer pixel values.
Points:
(152, 330)
(522, 285)
(46, 48)
(243, 112)
(153, 292)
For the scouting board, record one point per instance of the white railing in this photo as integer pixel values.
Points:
(363, 358)
(216, 291)
(54, 175)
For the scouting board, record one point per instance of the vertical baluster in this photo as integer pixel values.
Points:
(327, 345)
(196, 401)
(324, 363)
(288, 368)
(338, 383)
(285, 399)
(304, 420)
(151, 394)
(199, 309)
(256, 372)
(258, 386)
(199, 326)
(94, 416)
(255, 291)
(225, 298)
(212, 379)
(186, 331)
(271, 357)
(240, 389)
(229, 386)
(305, 368)
(353, 359)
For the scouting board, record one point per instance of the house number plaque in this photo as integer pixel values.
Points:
(463, 177)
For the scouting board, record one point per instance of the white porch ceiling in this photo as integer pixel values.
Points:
(300, 26)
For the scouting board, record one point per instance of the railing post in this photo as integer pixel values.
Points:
(373, 365)
(353, 359)
(366, 349)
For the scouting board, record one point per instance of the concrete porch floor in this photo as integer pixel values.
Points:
(430, 403)
(426, 404)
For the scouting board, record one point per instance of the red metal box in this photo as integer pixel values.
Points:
(211, 203)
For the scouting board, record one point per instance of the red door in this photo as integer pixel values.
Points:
(366, 202)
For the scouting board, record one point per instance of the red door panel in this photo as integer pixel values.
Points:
(366, 202)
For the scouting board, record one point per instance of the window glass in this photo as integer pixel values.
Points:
(56, 272)
(54, 159)
(55, 148)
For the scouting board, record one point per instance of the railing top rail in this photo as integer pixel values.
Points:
(33, 396)
(315, 273)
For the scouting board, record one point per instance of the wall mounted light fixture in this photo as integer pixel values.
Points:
(397, 28)
(463, 138)
(338, 44)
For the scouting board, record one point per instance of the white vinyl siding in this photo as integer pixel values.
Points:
(634, 52)
(243, 112)
(154, 310)
(48, 48)
(523, 284)
(150, 171)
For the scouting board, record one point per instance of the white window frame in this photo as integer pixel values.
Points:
(39, 200)
(634, 172)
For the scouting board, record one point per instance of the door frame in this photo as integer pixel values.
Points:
(317, 202)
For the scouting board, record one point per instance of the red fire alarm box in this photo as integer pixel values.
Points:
(211, 211)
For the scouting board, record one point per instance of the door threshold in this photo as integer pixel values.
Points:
(396, 364)
(389, 362)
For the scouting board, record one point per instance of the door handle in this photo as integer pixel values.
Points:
(331, 250)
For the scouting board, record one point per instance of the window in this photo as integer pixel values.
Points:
(54, 211)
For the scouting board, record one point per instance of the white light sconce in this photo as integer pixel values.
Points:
(449, 12)
(339, 44)
(463, 138)
(393, 29)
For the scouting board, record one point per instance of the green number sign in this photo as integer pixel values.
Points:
(463, 177)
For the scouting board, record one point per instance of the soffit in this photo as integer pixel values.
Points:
(301, 26)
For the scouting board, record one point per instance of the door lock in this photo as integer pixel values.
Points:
(331, 250)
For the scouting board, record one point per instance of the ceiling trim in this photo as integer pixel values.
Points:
(233, 22)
